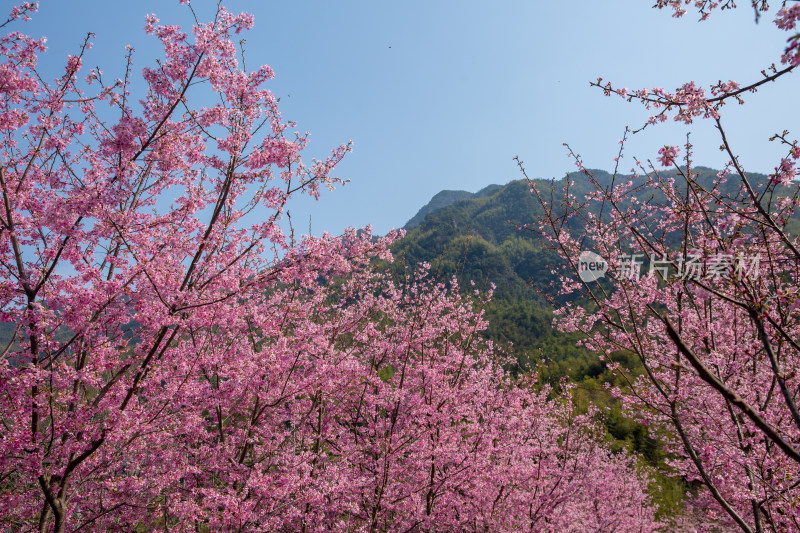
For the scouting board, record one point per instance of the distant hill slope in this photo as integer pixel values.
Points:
(444, 199)
(439, 200)
(473, 236)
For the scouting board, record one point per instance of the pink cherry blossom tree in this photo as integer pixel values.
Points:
(703, 287)
(174, 367)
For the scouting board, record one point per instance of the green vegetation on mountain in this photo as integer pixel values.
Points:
(476, 238)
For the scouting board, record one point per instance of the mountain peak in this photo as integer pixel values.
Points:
(447, 198)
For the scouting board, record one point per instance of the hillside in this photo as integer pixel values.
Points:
(475, 237)
(444, 199)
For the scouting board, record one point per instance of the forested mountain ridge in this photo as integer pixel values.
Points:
(475, 237)
(446, 198)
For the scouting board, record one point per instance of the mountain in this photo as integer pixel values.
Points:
(475, 237)
(444, 199)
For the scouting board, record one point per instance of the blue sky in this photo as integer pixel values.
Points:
(443, 94)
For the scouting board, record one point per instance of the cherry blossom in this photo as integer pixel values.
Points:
(182, 361)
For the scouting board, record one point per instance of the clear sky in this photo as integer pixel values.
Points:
(443, 94)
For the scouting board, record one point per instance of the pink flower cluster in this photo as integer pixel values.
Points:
(712, 349)
(786, 19)
(668, 155)
(173, 367)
